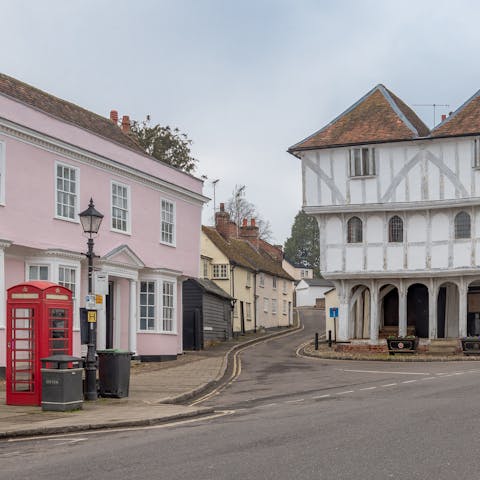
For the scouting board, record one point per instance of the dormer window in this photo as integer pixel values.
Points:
(362, 162)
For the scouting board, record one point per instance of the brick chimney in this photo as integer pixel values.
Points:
(250, 233)
(225, 227)
(126, 124)
(114, 116)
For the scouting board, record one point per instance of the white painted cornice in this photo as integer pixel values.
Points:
(396, 274)
(69, 151)
(394, 206)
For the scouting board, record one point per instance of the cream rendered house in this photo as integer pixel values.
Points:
(250, 270)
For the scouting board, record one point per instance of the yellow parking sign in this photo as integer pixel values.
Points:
(92, 316)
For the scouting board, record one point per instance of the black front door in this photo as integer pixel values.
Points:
(242, 317)
(109, 314)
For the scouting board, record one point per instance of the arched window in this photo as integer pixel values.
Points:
(462, 225)
(395, 229)
(354, 234)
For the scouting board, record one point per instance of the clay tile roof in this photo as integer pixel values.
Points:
(242, 253)
(66, 111)
(379, 116)
(464, 121)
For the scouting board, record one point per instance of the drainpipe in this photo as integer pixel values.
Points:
(255, 302)
(232, 288)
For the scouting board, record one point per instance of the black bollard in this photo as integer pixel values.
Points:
(316, 341)
(330, 338)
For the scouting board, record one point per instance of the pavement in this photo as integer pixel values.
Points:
(156, 393)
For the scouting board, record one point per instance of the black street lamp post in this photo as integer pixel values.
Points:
(91, 220)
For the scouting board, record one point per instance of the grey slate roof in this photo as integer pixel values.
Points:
(318, 282)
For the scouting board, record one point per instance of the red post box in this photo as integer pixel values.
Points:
(39, 324)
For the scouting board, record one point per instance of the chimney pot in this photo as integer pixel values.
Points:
(252, 222)
(114, 116)
(126, 123)
(244, 223)
(444, 117)
(222, 207)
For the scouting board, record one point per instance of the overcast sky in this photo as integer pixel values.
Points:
(244, 79)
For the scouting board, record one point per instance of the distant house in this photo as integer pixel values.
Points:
(55, 156)
(297, 271)
(207, 314)
(250, 270)
(309, 290)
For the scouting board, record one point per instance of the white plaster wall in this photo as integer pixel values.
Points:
(375, 258)
(461, 253)
(334, 259)
(375, 226)
(306, 297)
(395, 257)
(334, 230)
(440, 226)
(440, 256)
(417, 228)
(354, 258)
(416, 257)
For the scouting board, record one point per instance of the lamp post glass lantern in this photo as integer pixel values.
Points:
(91, 220)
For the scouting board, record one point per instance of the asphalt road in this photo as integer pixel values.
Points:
(288, 417)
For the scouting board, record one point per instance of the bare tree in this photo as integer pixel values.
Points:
(239, 208)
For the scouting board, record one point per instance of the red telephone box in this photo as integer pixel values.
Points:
(39, 324)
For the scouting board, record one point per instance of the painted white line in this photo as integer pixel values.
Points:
(295, 401)
(321, 396)
(267, 405)
(390, 385)
(126, 429)
(459, 373)
(385, 372)
(368, 388)
(428, 378)
(346, 391)
(409, 381)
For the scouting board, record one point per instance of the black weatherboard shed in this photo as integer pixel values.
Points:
(207, 313)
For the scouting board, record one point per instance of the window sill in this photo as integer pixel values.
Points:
(123, 232)
(219, 278)
(65, 219)
(356, 177)
(155, 332)
(173, 245)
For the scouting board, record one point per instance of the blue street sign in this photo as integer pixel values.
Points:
(334, 312)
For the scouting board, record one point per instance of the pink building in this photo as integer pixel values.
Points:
(54, 156)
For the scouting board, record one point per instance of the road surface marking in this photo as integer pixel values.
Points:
(218, 414)
(428, 378)
(295, 401)
(321, 396)
(268, 405)
(368, 388)
(346, 391)
(384, 372)
(390, 385)
(409, 381)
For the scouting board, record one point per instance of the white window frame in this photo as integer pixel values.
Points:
(274, 306)
(249, 280)
(265, 304)
(218, 271)
(248, 311)
(2, 172)
(173, 243)
(159, 319)
(205, 268)
(173, 307)
(28, 265)
(476, 153)
(362, 167)
(261, 280)
(128, 230)
(75, 218)
(155, 307)
(274, 283)
(285, 287)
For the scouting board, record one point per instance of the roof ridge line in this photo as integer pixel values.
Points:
(397, 110)
(456, 112)
(338, 117)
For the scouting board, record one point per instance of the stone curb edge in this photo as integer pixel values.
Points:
(100, 426)
(221, 377)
